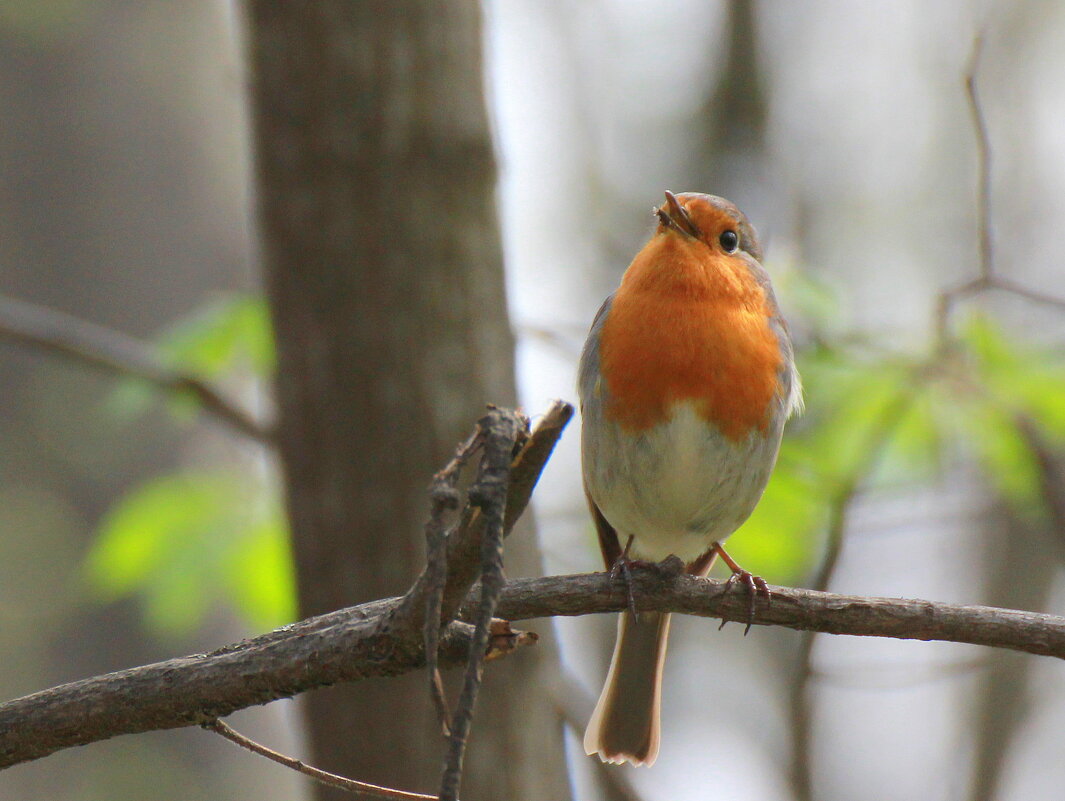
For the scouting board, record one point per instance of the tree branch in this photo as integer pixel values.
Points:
(319, 775)
(351, 644)
(988, 277)
(464, 544)
(376, 639)
(385, 637)
(113, 351)
(803, 610)
(502, 432)
(444, 500)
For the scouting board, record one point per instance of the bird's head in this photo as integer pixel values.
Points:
(710, 225)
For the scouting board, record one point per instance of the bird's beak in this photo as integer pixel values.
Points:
(673, 215)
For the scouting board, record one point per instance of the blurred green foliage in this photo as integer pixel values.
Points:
(876, 418)
(228, 331)
(1013, 396)
(187, 541)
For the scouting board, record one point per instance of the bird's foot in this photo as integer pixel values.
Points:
(623, 569)
(756, 585)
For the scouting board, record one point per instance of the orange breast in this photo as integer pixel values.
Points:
(688, 326)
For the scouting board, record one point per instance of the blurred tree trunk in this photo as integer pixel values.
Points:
(1021, 577)
(732, 157)
(1026, 555)
(384, 269)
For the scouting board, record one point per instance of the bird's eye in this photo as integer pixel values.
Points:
(729, 241)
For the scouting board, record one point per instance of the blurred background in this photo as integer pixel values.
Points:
(134, 527)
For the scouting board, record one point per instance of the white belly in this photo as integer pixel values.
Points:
(677, 487)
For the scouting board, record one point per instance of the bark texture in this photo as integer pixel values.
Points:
(384, 269)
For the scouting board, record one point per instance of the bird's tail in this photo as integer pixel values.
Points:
(625, 725)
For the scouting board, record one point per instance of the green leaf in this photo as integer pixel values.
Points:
(988, 343)
(1008, 462)
(152, 524)
(260, 573)
(1018, 377)
(177, 598)
(855, 403)
(186, 542)
(915, 446)
(847, 401)
(782, 537)
(227, 333)
(1041, 392)
(216, 338)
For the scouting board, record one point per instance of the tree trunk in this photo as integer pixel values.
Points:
(384, 268)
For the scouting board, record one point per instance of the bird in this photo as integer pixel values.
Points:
(686, 380)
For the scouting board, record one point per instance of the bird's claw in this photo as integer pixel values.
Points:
(623, 569)
(756, 585)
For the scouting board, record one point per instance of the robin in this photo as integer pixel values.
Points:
(685, 381)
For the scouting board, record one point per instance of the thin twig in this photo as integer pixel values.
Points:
(29, 324)
(464, 544)
(1006, 285)
(987, 277)
(319, 775)
(949, 297)
(983, 153)
(444, 499)
(489, 495)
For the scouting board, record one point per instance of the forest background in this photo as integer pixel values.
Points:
(134, 526)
